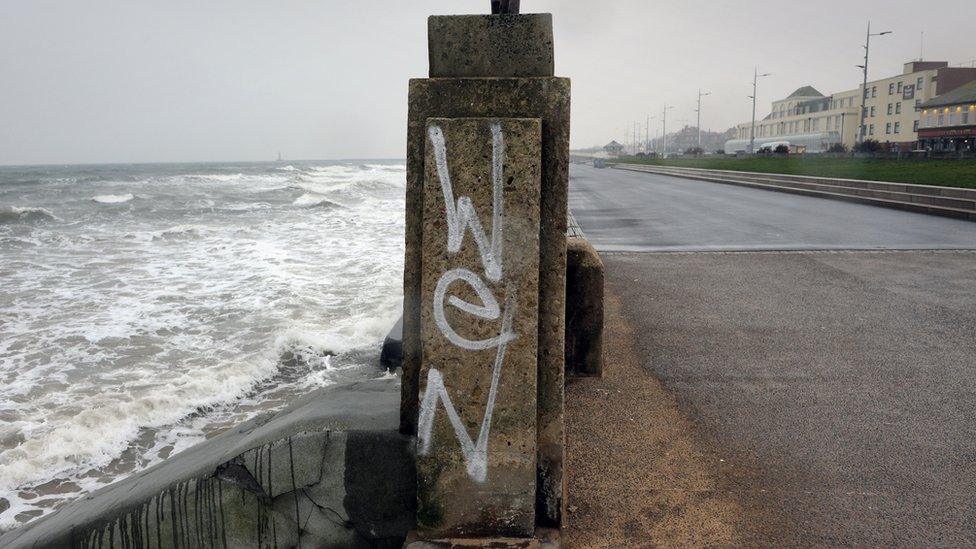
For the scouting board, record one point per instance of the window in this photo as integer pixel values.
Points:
(915, 128)
(871, 129)
(891, 109)
(897, 108)
(899, 87)
(918, 102)
(941, 119)
(965, 118)
(873, 112)
(891, 89)
(919, 84)
(874, 91)
(867, 93)
(897, 127)
(888, 128)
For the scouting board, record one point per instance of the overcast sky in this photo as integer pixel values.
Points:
(143, 81)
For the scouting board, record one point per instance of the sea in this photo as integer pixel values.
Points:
(145, 308)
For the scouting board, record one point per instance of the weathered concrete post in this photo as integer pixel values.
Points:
(479, 328)
(485, 278)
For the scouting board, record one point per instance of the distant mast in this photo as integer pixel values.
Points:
(279, 156)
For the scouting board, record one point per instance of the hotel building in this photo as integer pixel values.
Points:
(811, 122)
(948, 122)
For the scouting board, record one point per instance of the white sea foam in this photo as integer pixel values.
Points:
(180, 231)
(221, 178)
(309, 200)
(105, 424)
(113, 198)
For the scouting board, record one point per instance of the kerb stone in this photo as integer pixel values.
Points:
(479, 306)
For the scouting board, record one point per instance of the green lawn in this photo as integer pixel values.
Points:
(949, 173)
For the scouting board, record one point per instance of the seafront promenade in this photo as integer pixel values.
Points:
(780, 370)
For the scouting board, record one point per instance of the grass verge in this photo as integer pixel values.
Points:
(948, 173)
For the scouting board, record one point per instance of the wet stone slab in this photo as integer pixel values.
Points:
(477, 425)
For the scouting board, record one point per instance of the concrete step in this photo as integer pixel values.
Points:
(930, 190)
(897, 192)
(909, 201)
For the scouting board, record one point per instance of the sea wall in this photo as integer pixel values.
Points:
(330, 470)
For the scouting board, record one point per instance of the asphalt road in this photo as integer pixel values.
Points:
(833, 393)
(631, 211)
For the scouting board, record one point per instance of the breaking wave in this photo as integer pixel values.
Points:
(113, 198)
(202, 301)
(311, 200)
(16, 214)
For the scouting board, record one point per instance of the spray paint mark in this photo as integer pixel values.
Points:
(461, 216)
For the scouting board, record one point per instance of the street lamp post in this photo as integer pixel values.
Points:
(635, 138)
(647, 134)
(864, 87)
(664, 134)
(700, 95)
(755, 83)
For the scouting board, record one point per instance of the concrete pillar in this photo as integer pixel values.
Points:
(476, 440)
(486, 71)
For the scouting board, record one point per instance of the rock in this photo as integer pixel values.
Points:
(392, 355)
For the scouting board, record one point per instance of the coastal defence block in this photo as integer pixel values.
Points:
(476, 441)
(463, 46)
(495, 95)
(584, 309)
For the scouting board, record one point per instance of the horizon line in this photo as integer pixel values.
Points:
(175, 162)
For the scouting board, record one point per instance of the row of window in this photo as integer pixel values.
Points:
(841, 103)
(930, 118)
(889, 128)
(795, 127)
(895, 87)
(959, 116)
(793, 110)
(893, 108)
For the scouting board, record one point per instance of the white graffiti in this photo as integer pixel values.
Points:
(461, 216)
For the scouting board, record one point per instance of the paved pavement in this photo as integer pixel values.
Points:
(630, 211)
(833, 394)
